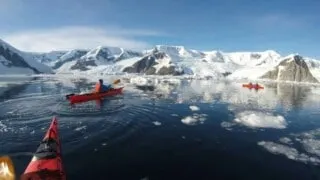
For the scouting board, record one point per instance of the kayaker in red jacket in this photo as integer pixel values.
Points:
(100, 87)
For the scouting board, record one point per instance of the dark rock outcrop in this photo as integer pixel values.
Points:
(147, 63)
(291, 69)
(83, 65)
(226, 74)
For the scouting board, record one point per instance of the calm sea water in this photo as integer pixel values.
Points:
(173, 130)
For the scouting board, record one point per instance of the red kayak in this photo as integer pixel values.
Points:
(46, 163)
(253, 86)
(73, 98)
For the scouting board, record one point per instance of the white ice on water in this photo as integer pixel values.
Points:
(194, 119)
(157, 123)
(289, 152)
(256, 119)
(3, 128)
(194, 108)
(309, 141)
(80, 128)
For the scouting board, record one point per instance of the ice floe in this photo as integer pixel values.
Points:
(309, 141)
(289, 152)
(3, 128)
(194, 119)
(256, 119)
(285, 140)
(80, 128)
(194, 108)
(157, 123)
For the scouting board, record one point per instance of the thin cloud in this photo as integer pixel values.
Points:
(275, 21)
(67, 38)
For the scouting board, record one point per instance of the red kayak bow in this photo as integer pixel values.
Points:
(46, 163)
(252, 86)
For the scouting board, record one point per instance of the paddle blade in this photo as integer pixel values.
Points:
(6, 168)
(116, 81)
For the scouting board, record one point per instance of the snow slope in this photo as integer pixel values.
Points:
(178, 53)
(249, 59)
(111, 68)
(108, 60)
(47, 58)
(4, 70)
(27, 57)
(72, 55)
(105, 55)
(33, 63)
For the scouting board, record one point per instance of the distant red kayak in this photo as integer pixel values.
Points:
(73, 98)
(253, 86)
(46, 163)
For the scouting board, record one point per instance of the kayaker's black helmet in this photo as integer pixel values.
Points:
(101, 81)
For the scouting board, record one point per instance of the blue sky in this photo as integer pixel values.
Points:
(287, 26)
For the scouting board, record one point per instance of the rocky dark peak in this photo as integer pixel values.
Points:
(160, 55)
(82, 65)
(293, 68)
(255, 56)
(147, 63)
(295, 59)
(104, 54)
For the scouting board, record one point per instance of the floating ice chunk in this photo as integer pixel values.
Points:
(227, 125)
(194, 108)
(260, 120)
(157, 123)
(80, 128)
(312, 146)
(3, 127)
(189, 120)
(194, 119)
(285, 140)
(289, 152)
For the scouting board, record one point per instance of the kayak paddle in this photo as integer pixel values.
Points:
(116, 81)
(6, 168)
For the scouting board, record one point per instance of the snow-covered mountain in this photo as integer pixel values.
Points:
(69, 56)
(160, 60)
(98, 60)
(179, 60)
(104, 55)
(179, 52)
(47, 58)
(291, 68)
(13, 61)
